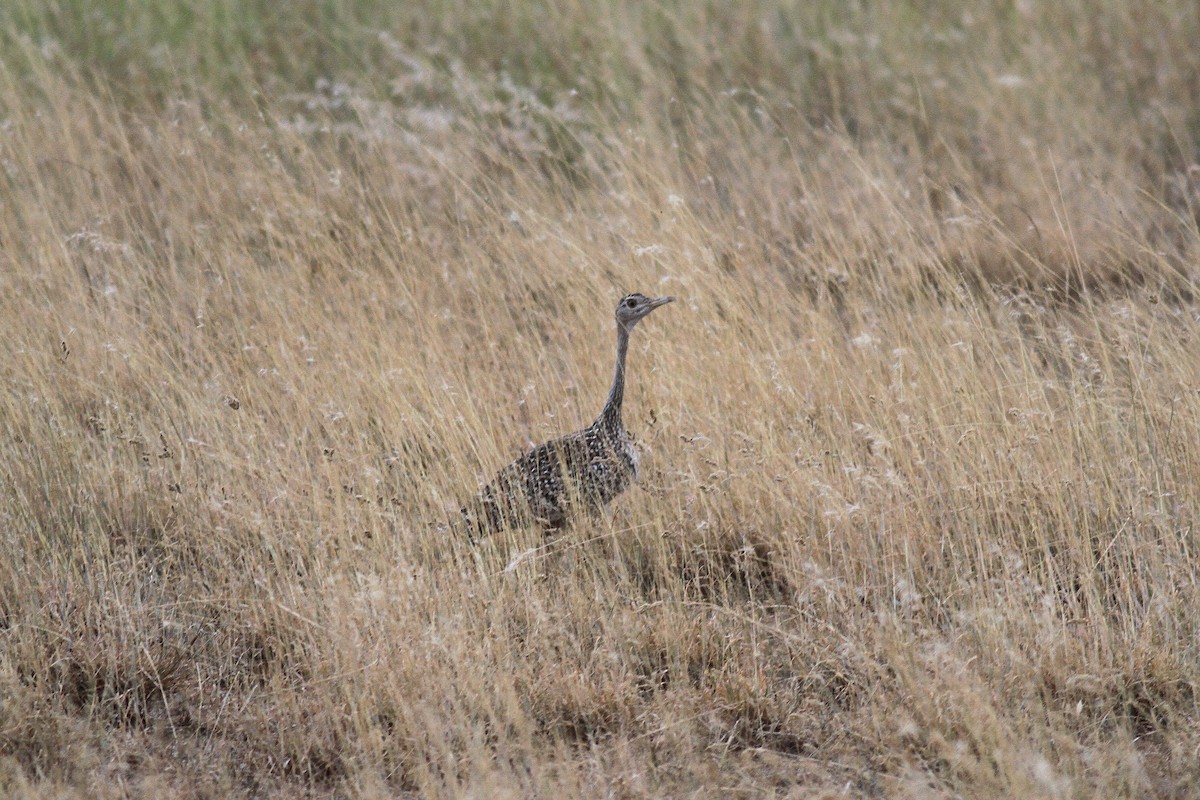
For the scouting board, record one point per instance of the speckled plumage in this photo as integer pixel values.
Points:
(580, 472)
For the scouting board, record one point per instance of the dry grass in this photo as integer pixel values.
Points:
(920, 504)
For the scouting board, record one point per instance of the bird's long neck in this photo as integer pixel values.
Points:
(611, 415)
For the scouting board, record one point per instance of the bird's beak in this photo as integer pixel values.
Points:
(660, 301)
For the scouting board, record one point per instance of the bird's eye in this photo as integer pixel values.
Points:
(630, 303)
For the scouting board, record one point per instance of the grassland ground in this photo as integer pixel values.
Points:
(920, 494)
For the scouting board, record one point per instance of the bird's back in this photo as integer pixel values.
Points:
(581, 471)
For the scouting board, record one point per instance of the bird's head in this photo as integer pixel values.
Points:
(633, 307)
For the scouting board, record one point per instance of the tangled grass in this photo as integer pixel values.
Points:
(919, 509)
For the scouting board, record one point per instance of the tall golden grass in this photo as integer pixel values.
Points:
(920, 493)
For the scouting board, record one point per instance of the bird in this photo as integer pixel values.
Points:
(581, 472)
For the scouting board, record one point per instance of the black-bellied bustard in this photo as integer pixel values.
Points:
(582, 471)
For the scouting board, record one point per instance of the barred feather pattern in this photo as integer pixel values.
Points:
(556, 481)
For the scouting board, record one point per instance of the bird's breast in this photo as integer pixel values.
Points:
(630, 452)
